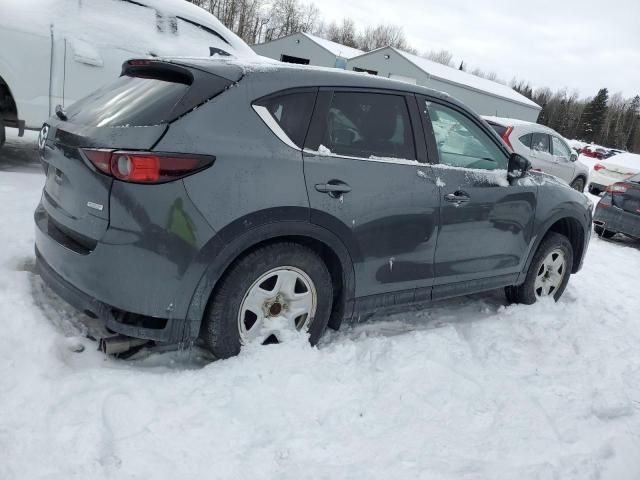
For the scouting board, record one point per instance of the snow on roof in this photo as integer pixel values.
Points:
(453, 75)
(507, 122)
(337, 49)
(130, 25)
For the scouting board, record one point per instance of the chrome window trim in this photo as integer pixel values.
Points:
(393, 161)
(273, 125)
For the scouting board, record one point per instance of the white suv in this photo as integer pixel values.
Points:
(54, 52)
(547, 150)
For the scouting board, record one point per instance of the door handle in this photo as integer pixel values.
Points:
(334, 188)
(457, 197)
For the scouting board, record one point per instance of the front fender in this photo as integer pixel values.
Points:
(546, 221)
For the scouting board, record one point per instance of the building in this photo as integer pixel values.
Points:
(307, 49)
(484, 96)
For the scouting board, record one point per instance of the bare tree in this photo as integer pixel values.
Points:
(384, 36)
(445, 57)
(344, 33)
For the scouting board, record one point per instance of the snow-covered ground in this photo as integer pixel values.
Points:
(466, 389)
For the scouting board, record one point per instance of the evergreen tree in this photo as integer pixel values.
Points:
(594, 116)
(543, 115)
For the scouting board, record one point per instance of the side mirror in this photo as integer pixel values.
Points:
(518, 166)
(574, 157)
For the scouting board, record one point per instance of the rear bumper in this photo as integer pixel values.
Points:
(617, 220)
(115, 320)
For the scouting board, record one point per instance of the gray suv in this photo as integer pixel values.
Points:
(207, 199)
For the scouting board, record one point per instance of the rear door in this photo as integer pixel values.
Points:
(541, 157)
(486, 222)
(564, 167)
(367, 183)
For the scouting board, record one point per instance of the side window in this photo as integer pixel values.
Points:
(461, 142)
(540, 142)
(560, 149)
(292, 112)
(525, 140)
(369, 125)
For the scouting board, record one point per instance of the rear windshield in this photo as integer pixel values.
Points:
(128, 101)
(500, 130)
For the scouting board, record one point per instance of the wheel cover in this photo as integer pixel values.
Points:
(550, 274)
(280, 303)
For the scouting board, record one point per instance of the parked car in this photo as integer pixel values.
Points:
(612, 170)
(600, 153)
(545, 148)
(69, 48)
(296, 199)
(618, 211)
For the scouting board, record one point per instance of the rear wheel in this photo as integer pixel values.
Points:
(269, 295)
(548, 273)
(578, 184)
(594, 191)
(603, 233)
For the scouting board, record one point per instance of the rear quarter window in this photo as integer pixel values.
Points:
(292, 112)
(525, 140)
(128, 101)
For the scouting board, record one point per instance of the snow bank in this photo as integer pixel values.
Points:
(464, 389)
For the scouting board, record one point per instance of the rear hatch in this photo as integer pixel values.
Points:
(627, 195)
(131, 113)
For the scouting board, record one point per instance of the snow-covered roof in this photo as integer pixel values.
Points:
(455, 76)
(507, 122)
(337, 49)
(126, 25)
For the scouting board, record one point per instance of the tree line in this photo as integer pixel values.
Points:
(608, 120)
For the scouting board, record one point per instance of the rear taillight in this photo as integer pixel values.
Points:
(146, 167)
(616, 188)
(597, 167)
(505, 137)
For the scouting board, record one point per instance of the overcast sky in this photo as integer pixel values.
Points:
(579, 44)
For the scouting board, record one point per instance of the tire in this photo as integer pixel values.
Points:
(578, 184)
(3, 135)
(594, 191)
(526, 292)
(224, 327)
(603, 233)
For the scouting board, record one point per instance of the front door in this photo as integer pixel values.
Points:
(363, 165)
(486, 222)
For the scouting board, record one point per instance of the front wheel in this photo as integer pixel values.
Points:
(548, 273)
(268, 295)
(578, 184)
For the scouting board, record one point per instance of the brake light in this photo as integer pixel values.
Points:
(597, 167)
(505, 137)
(616, 188)
(146, 167)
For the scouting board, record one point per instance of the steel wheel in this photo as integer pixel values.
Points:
(550, 274)
(281, 302)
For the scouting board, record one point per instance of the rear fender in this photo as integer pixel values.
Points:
(222, 254)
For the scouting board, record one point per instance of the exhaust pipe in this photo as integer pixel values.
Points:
(119, 344)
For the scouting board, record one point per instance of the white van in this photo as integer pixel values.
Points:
(53, 52)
